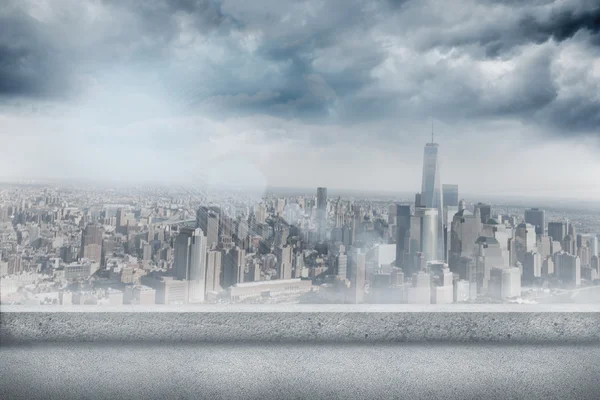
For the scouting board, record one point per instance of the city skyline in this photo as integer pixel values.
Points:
(306, 94)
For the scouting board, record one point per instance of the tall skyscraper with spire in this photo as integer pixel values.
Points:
(431, 189)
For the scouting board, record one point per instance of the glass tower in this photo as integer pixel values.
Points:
(431, 191)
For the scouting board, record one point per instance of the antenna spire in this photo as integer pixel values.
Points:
(432, 132)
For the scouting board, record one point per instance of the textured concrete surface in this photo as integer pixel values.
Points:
(311, 308)
(300, 371)
(311, 327)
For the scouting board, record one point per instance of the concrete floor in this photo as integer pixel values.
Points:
(282, 371)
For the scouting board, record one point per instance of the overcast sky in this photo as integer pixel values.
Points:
(337, 93)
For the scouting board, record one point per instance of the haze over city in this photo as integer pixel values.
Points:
(303, 94)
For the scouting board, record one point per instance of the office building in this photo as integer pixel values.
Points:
(357, 277)
(270, 291)
(213, 271)
(208, 219)
(547, 267)
(420, 290)
(403, 221)
(442, 288)
(139, 294)
(595, 265)
(321, 212)
(428, 226)
(505, 283)
(190, 262)
(168, 290)
(450, 194)
(537, 218)
(526, 237)
(284, 261)
(341, 266)
(485, 212)
(233, 263)
(532, 267)
(567, 268)
(462, 291)
(557, 231)
(591, 242)
(91, 243)
(76, 271)
(464, 231)
(431, 194)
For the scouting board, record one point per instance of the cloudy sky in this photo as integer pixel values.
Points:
(291, 93)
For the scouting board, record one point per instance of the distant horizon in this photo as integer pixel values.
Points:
(501, 199)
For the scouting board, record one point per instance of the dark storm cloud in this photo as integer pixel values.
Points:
(30, 64)
(335, 60)
(158, 15)
(562, 24)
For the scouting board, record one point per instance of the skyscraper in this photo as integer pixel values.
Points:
(537, 218)
(450, 198)
(190, 262)
(557, 230)
(403, 217)
(91, 243)
(284, 262)
(207, 219)
(429, 219)
(431, 192)
(485, 211)
(321, 211)
(213, 271)
(357, 277)
(450, 195)
(233, 262)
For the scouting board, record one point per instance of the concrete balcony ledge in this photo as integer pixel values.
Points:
(564, 323)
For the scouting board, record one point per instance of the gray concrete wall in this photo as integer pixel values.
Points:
(327, 324)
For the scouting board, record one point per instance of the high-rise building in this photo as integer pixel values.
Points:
(428, 218)
(505, 283)
(260, 213)
(357, 277)
(442, 288)
(526, 236)
(567, 268)
(233, 263)
(537, 218)
(321, 211)
(207, 219)
(284, 262)
(465, 230)
(121, 222)
(418, 201)
(146, 251)
(403, 218)
(91, 243)
(431, 192)
(532, 267)
(190, 262)
(213, 271)
(557, 231)
(450, 195)
(595, 264)
(590, 241)
(212, 233)
(485, 212)
(342, 265)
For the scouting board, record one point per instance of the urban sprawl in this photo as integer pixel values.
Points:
(63, 245)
